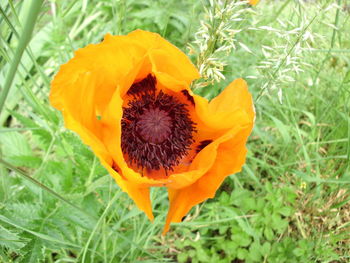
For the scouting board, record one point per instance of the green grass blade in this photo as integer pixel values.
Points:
(23, 42)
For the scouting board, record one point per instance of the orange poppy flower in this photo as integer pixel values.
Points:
(128, 98)
(253, 2)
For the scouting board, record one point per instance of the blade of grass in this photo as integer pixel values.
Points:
(28, 50)
(23, 42)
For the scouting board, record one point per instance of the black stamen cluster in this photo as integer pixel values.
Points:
(139, 138)
(145, 86)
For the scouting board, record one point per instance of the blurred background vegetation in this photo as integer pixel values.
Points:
(290, 203)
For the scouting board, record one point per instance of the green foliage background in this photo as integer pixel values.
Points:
(289, 204)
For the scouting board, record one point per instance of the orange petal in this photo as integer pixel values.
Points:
(166, 57)
(105, 63)
(234, 96)
(229, 108)
(164, 61)
(140, 195)
(230, 159)
(201, 164)
(67, 98)
(253, 2)
(88, 138)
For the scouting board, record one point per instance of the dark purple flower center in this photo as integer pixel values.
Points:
(154, 125)
(157, 131)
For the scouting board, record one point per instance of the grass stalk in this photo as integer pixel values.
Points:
(23, 42)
